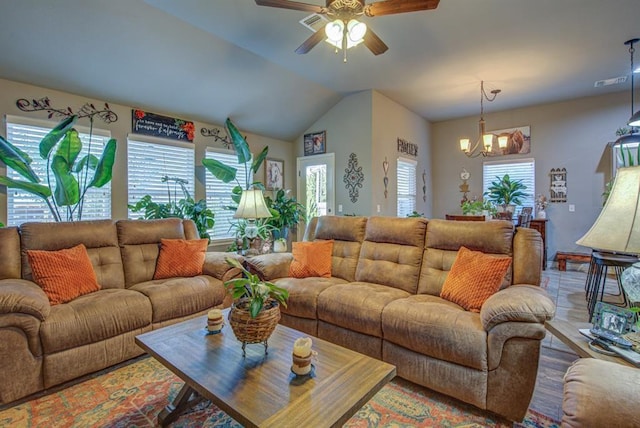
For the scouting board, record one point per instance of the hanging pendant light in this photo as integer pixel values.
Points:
(634, 121)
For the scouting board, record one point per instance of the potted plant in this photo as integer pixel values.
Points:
(506, 193)
(472, 207)
(259, 245)
(68, 178)
(256, 308)
(287, 213)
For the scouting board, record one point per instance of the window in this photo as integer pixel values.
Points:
(219, 193)
(522, 169)
(406, 187)
(22, 206)
(149, 160)
(625, 155)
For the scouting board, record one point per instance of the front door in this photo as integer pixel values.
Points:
(315, 185)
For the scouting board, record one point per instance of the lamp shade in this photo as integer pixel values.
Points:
(252, 205)
(617, 228)
(635, 119)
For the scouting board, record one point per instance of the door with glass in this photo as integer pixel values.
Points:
(315, 185)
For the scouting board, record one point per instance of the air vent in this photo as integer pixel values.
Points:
(609, 82)
(314, 22)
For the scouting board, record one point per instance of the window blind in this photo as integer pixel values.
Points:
(219, 193)
(406, 177)
(148, 162)
(522, 169)
(22, 207)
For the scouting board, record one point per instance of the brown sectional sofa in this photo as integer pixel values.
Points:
(43, 345)
(383, 300)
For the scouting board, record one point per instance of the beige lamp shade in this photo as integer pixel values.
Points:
(617, 228)
(252, 205)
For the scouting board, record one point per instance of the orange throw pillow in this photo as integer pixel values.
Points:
(180, 257)
(64, 274)
(311, 259)
(473, 278)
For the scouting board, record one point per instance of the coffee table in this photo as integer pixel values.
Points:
(260, 390)
(569, 335)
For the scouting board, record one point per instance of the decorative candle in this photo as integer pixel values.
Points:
(302, 355)
(214, 314)
(214, 320)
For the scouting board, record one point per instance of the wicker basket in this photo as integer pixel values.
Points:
(254, 330)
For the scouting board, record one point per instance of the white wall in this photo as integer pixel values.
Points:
(11, 91)
(571, 134)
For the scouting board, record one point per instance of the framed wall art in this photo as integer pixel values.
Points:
(315, 143)
(518, 142)
(274, 174)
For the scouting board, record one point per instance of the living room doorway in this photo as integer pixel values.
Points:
(316, 185)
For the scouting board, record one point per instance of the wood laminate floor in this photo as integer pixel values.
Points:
(567, 290)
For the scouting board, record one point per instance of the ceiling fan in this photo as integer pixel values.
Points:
(345, 30)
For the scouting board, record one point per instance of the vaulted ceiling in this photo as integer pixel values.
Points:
(209, 59)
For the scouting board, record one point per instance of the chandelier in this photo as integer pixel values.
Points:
(484, 141)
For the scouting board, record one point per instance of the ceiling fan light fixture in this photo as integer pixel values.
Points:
(334, 31)
(356, 31)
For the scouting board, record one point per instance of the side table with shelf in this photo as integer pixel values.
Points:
(540, 224)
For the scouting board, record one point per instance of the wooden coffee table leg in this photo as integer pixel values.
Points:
(186, 398)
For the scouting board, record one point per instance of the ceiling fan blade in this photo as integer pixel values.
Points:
(374, 43)
(311, 42)
(389, 7)
(285, 4)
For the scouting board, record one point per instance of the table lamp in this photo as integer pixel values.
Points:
(252, 206)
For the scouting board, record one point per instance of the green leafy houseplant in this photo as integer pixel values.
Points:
(505, 191)
(68, 178)
(472, 207)
(415, 214)
(257, 292)
(287, 213)
(185, 207)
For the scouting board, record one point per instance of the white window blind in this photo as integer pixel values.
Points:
(219, 193)
(148, 161)
(406, 186)
(522, 169)
(22, 207)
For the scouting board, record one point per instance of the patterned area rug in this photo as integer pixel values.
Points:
(133, 395)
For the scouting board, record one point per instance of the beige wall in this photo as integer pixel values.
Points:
(368, 124)
(10, 92)
(571, 134)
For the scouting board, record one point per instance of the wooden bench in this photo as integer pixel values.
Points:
(563, 256)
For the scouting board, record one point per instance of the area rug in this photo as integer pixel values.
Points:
(134, 394)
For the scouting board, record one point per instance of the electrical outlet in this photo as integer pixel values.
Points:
(378, 208)
(339, 208)
(572, 208)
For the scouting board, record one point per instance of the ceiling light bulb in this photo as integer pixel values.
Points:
(334, 31)
(464, 144)
(502, 141)
(356, 30)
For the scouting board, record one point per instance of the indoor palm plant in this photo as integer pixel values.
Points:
(68, 177)
(506, 193)
(255, 311)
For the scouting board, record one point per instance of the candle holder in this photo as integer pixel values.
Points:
(302, 356)
(215, 321)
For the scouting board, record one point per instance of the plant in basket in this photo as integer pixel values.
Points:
(255, 311)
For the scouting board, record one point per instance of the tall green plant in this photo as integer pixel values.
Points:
(505, 191)
(68, 178)
(287, 213)
(227, 173)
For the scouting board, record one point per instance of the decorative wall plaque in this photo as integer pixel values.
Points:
(385, 180)
(558, 189)
(215, 133)
(424, 185)
(407, 148)
(353, 177)
(87, 110)
(162, 126)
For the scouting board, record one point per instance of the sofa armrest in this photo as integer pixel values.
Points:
(24, 297)
(270, 266)
(600, 393)
(520, 303)
(215, 265)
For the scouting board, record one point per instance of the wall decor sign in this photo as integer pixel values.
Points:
(518, 142)
(161, 126)
(424, 185)
(353, 177)
(87, 110)
(274, 174)
(558, 189)
(407, 148)
(385, 180)
(215, 133)
(315, 143)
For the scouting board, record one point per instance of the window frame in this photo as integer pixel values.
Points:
(530, 182)
(412, 185)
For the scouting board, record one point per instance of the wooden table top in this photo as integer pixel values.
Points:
(260, 390)
(569, 335)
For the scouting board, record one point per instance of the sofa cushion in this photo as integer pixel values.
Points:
(347, 234)
(94, 317)
(438, 328)
(392, 252)
(357, 306)
(63, 274)
(180, 257)
(179, 297)
(311, 259)
(303, 294)
(473, 278)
